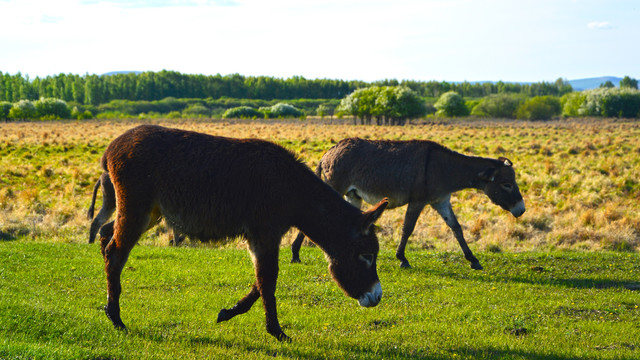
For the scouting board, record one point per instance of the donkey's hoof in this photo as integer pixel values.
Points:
(115, 319)
(476, 266)
(279, 334)
(282, 337)
(224, 315)
(295, 260)
(405, 265)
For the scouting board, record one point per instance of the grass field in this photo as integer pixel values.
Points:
(579, 179)
(522, 306)
(562, 281)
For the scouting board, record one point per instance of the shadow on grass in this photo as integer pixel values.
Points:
(533, 271)
(381, 351)
(7, 236)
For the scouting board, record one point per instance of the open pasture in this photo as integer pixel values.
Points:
(579, 179)
(561, 282)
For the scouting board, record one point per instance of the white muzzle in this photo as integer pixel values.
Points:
(518, 209)
(372, 298)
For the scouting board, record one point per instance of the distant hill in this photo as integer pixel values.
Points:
(592, 83)
(122, 72)
(577, 84)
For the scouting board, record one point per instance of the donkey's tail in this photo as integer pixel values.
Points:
(319, 169)
(93, 200)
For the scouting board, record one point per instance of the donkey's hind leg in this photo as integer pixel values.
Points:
(446, 212)
(295, 247)
(410, 219)
(129, 225)
(108, 206)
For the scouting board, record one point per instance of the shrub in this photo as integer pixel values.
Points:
(50, 109)
(22, 110)
(5, 107)
(242, 112)
(501, 106)
(571, 103)
(282, 110)
(174, 115)
(196, 110)
(81, 115)
(624, 103)
(114, 115)
(451, 104)
(323, 110)
(612, 102)
(539, 108)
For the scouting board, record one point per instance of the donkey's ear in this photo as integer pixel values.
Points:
(505, 161)
(372, 215)
(488, 174)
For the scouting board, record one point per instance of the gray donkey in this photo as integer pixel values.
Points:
(417, 173)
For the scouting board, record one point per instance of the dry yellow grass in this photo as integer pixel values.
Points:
(579, 178)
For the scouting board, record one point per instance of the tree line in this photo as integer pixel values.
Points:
(392, 103)
(153, 86)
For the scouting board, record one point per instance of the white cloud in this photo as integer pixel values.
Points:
(599, 25)
(160, 3)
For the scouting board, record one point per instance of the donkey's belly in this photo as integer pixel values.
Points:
(373, 197)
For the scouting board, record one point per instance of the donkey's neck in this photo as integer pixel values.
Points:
(325, 217)
(459, 171)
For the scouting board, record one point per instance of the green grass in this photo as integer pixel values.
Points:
(558, 305)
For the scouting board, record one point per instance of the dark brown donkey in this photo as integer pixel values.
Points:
(108, 208)
(415, 173)
(211, 187)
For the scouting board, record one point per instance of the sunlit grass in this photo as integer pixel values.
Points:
(578, 177)
(528, 305)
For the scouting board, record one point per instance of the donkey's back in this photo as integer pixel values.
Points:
(371, 170)
(205, 186)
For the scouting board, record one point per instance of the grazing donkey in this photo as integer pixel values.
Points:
(415, 173)
(109, 207)
(211, 187)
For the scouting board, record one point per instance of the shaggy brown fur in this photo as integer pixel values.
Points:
(212, 187)
(416, 173)
(108, 208)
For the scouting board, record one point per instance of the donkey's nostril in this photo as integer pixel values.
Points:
(518, 209)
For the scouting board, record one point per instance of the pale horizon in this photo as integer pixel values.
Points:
(457, 40)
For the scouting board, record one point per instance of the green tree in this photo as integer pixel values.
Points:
(612, 102)
(76, 113)
(539, 108)
(628, 82)
(323, 110)
(624, 103)
(242, 112)
(22, 110)
(451, 104)
(571, 103)
(282, 110)
(396, 104)
(49, 108)
(607, 84)
(5, 107)
(502, 106)
(196, 110)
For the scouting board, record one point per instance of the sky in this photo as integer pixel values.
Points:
(442, 40)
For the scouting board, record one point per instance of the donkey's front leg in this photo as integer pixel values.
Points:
(242, 306)
(446, 212)
(265, 258)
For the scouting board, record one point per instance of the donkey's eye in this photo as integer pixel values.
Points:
(506, 186)
(366, 258)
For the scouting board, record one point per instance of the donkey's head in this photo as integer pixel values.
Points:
(501, 186)
(354, 269)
